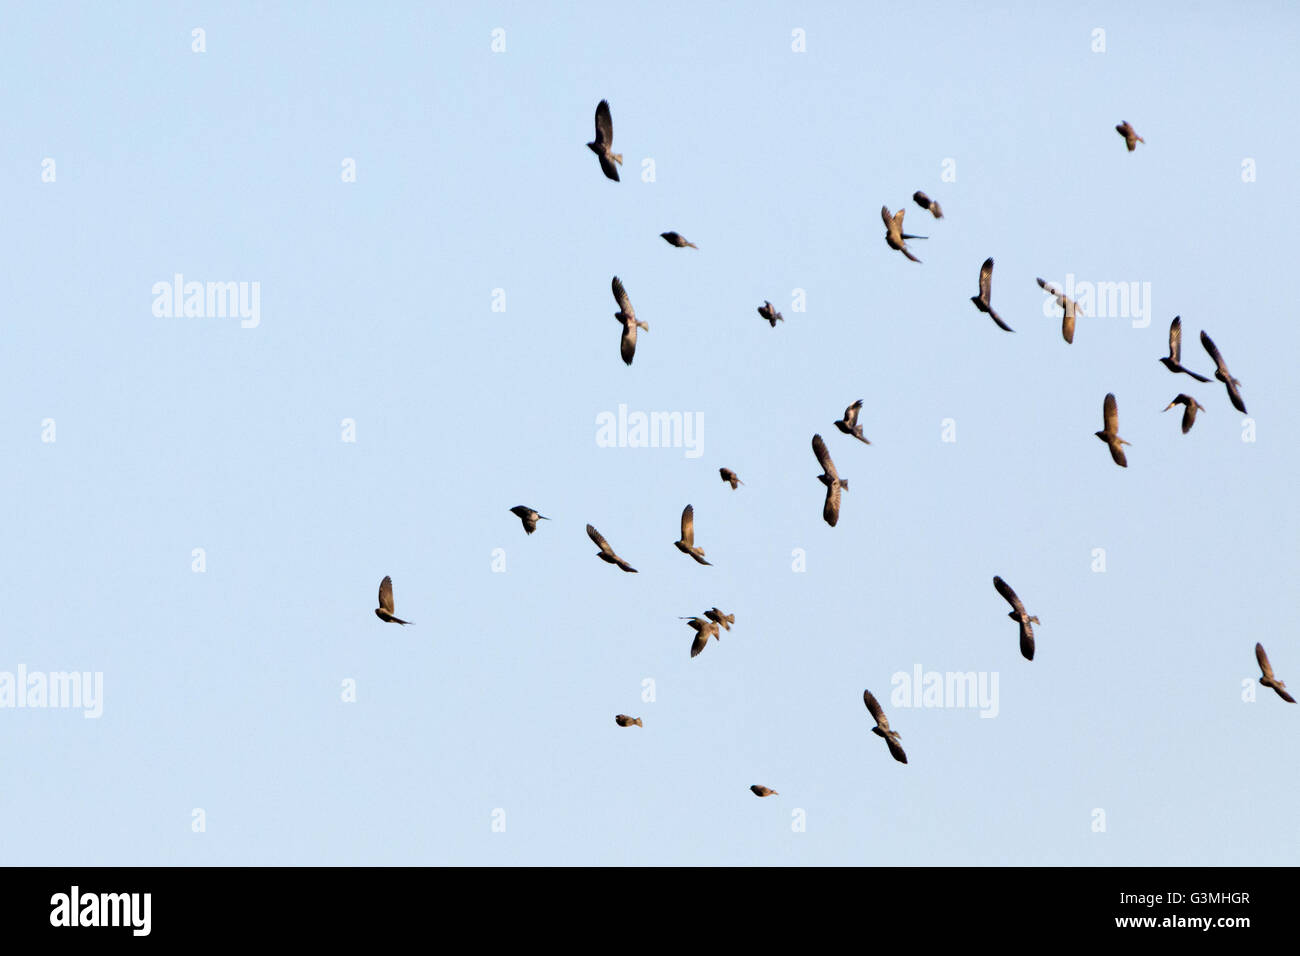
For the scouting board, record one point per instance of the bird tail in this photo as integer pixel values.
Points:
(729, 618)
(692, 245)
(638, 722)
(844, 485)
(643, 326)
(617, 157)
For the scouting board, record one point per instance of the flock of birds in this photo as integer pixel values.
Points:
(712, 621)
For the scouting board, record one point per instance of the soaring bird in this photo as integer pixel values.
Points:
(1070, 307)
(831, 479)
(895, 238)
(1223, 375)
(678, 240)
(687, 543)
(1131, 138)
(1174, 361)
(730, 477)
(722, 620)
(1191, 407)
(385, 610)
(627, 316)
(882, 727)
(849, 423)
(762, 791)
(604, 140)
(1268, 680)
(606, 553)
(623, 720)
(528, 516)
(986, 288)
(1018, 615)
(1110, 434)
(768, 312)
(925, 202)
(704, 629)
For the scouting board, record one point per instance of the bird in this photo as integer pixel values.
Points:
(678, 240)
(1110, 434)
(1131, 138)
(762, 791)
(627, 316)
(623, 720)
(730, 477)
(1268, 680)
(982, 300)
(881, 729)
(770, 314)
(1018, 615)
(849, 424)
(687, 543)
(385, 610)
(722, 620)
(704, 628)
(1223, 375)
(895, 238)
(1192, 406)
(925, 202)
(528, 516)
(831, 479)
(604, 140)
(1070, 307)
(606, 553)
(1174, 361)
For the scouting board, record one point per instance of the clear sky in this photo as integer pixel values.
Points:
(223, 690)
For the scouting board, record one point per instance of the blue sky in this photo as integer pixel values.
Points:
(222, 689)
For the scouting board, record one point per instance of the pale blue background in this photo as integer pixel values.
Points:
(222, 689)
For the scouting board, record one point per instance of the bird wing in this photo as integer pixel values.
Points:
(608, 168)
(877, 712)
(1264, 665)
(831, 509)
(688, 525)
(1214, 352)
(627, 341)
(896, 750)
(1009, 595)
(986, 281)
(1176, 339)
(884, 214)
(1067, 322)
(700, 643)
(824, 456)
(620, 296)
(1027, 640)
(1234, 395)
(851, 413)
(908, 252)
(1117, 453)
(386, 594)
(601, 543)
(1110, 414)
(604, 125)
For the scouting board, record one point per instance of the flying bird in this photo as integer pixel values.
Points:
(1110, 434)
(1018, 615)
(385, 610)
(849, 424)
(982, 300)
(730, 477)
(831, 479)
(1268, 680)
(895, 238)
(687, 543)
(882, 727)
(528, 516)
(762, 791)
(1191, 407)
(1223, 375)
(604, 140)
(925, 202)
(1131, 138)
(1070, 307)
(722, 620)
(1174, 361)
(704, 628)
(606, 553)
(627, 316)
(770, 314)
(623, 720)
(678, 240)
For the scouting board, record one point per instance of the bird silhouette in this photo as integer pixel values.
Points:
(925, 202)
(623, 720)
(769, 313)
(762, 791)
(730, 477)
(895, 238)
(1018, 615)
(385, 610)
(704, 629)
(849, 423)
(606, 553)
(831, 479)
(687, 543)
(1110, 433)
(1223, 375)
(678, 240)
(626, 315)
(986, 288)
(604, 140)
(1191, 407)
(881, 729)
(1131, 138)
(1268, 680)
(722, 620)
(528, 516)
(1174, 361)
(1069, 306)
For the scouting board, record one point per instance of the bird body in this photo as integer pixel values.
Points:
(623, 720)
(882, 730)
(1110, 432)
(1131, 138)
(606, 553)
(723, 620)
(769, 313)
(678, 240)
(1190, 407)
(1268, 680)
(1223, 375)
(626, 316)
(704, 629)
(686, 544)
(730, 477)
(1020, 616)
(385, 610)
(528, 516)
(831, 479)
(925, 202)
(895, 238)
(1069, 307)
(762, 791)
(849, 423)
(1174, 361)
(604, 140)
(986, 290)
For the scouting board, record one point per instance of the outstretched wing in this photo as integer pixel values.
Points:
(605, 125)
(851, 413)
(1110, 414)
(1176, 339)
(688, 526)
(824, 456)
(386, 594)
(877, 712)
(601, 543)
(1009, 595)
(1264, 665)
(1027, 640)
(884, 214)
(986, 281)
(896, 750)
(1214, 352)
(620, 296)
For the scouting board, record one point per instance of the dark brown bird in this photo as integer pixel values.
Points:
(687, 543)
(626, 315)
(385, 610)
(704, 628)
(1018, 615)
(895, 238)
(730, 477)
(1191, 407)
(606, 553)
(925, 202)
(831, 479)
(604, 140)
(1268, 680)
(1174, 361)
(1110, 434)
(986, 288)
(623, 720)
(1223, 375)
(1131, 138)
(881, 729)
(528, 516)
(1069, 306)
(770, 314)
(762, 791)
(722, 620)
(678, 240)
(849, 423)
